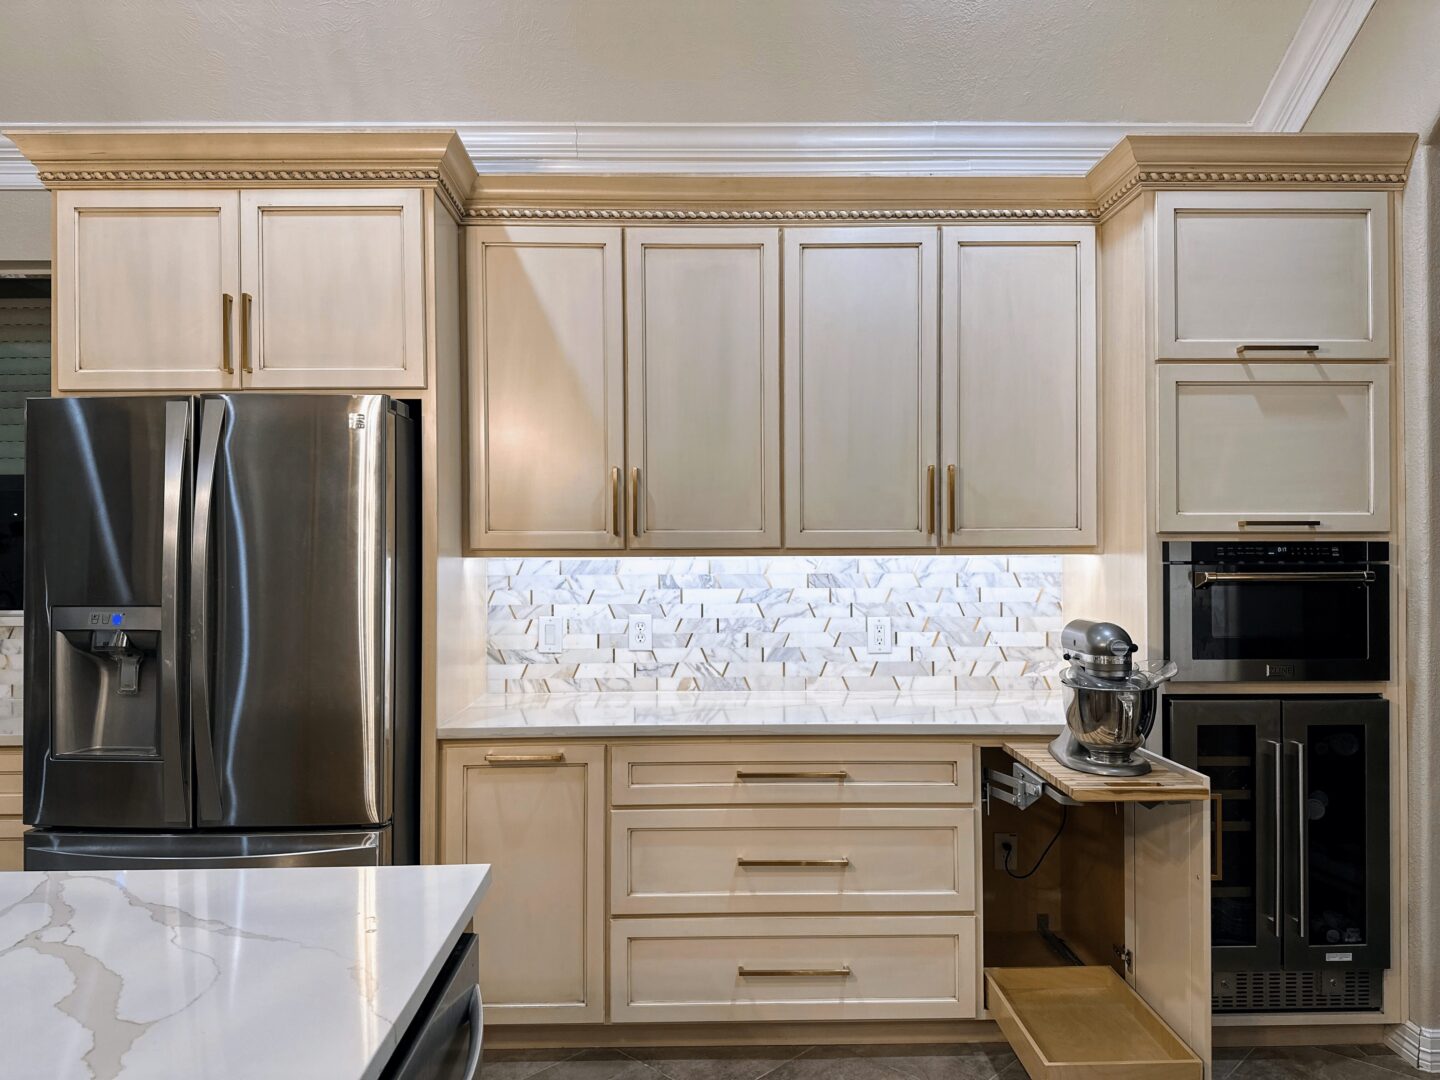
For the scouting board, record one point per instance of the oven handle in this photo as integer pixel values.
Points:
(1204, 578)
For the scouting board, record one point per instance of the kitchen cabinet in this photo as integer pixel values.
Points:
(12, 828)
(1248, 273)
(147, 285)
(702, 363)
(546, 388)
(1018, 386)
(861, 387)
(1274, 445)
(536, 811)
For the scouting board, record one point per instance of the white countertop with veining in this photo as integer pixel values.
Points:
(266, 973)
(613, 714)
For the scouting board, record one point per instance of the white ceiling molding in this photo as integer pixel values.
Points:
(886, 149)
(1321, 40)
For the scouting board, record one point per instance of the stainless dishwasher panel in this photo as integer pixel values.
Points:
(444, 1040)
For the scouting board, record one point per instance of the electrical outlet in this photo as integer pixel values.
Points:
(637, 633)
(878, 639)
(1002, 841)
(552, 634)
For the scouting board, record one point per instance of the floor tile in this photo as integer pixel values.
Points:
(971, 1061)
(1382, 1057)
(520, 1064)
(833, 1063)
(1226, 1058)
(598, 1065)
(1307, 1062)
(716, 1062)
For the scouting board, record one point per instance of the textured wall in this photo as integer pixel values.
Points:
(12, 678)
(24, 226)
(778, 623)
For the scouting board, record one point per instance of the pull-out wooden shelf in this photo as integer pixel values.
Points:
(1085, 1023)
(1165, 782)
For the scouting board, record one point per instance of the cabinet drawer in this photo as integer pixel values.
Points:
(11, 828)
(10, 803)
(12, 760)
(12, 854)
(10, 784)
(856, 968)
(760, 772)
(792, 859)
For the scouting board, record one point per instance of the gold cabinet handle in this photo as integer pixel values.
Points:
(1217, 872)
(635, 501)
(744, 776)
(752, 863)
(1291, 523)
(245, 301)
(1241, 350)
(930, 500)
(842, 972)
(617, 508)
(950, 471)
(227, 310)
(525, 759)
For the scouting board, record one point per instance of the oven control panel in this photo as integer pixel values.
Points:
(1276, 552)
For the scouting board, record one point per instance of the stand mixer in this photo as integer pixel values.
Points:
(1110, 701)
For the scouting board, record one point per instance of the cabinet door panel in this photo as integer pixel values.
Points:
(541, 823)
(703, 370)
(1241, 268)
(1282, 443)
(546, 386)
(1018, 385)
(140, 284)
(338, 286)
(861, 387)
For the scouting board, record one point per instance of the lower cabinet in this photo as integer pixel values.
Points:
(12, 853)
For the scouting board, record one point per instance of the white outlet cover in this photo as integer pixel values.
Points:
(552, 634)
(637, 633)
(878, 639)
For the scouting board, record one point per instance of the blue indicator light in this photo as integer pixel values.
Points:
(116, 619)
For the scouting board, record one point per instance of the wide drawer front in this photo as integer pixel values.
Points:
(835, 968)
(792, 859)
(10, 783)
(774, 771)
(10, 803)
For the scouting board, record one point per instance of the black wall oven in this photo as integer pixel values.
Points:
(1278, 611)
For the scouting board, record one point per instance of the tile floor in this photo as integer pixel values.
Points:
(970, 1062)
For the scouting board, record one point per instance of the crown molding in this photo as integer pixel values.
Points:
(1324, 35)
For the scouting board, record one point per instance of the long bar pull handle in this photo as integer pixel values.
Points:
(177, 458)
(748, 864)
(1202, 578)
(1241, 350)
(617, 505)
(950, 472)
(1217, 868)
(525, 759)
(207, 778)
(1280, 523)
(930, 500)
(743, 775)
(227, 329)
(635, 501)
(842, 972)
(246, 301)
(1278, 846)
(1301, 801)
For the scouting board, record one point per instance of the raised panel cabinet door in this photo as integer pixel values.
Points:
(1285, 273)
(861, 387)
(1017, 386)
(332, 288)
(147, 285)
(536, 812)
(546, 388)
(702, 362)
(1289, 446)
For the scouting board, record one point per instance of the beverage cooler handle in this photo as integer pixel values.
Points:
(1301, 808)
(1279, 847)
(177, 421)
(207, 784)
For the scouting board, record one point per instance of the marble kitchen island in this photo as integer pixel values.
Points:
(265, 974)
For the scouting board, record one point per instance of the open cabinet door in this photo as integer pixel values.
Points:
(1168, 915)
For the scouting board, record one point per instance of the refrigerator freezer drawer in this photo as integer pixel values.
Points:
(444, 1040)
(49, 850)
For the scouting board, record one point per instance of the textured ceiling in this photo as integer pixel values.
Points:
(685, 61)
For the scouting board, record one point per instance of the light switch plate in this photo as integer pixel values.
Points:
(552, 634)
(637, 633)
(878, 639)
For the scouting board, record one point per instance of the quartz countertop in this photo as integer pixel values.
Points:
(612, 714)
(274, 973)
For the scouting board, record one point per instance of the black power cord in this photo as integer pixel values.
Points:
(1064, 816)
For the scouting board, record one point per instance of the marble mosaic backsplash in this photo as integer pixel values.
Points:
(777, 623)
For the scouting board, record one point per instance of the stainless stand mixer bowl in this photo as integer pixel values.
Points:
(1110, 701)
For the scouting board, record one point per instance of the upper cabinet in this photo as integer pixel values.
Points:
(861, 387)
(1257, 274)
(546, 386)
(702, 362)
(1017, 386)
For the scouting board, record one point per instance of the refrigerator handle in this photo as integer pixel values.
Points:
(177, 423)
(207, 784)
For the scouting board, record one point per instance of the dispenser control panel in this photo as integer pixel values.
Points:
(107, 618)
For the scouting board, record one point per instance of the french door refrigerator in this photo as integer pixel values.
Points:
(220, 631)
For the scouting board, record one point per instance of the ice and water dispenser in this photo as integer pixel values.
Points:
(107, 682)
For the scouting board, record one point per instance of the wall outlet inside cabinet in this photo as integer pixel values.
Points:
(1007, 841)
(552, 634)
(878, 639)
(637, 633)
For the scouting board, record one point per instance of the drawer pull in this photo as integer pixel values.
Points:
(749, 863)
(744, 776)
(1241, 350)
(525, 759)
(1289, 523)
(794, 973)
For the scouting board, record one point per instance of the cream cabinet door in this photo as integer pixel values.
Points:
(702, 363)
(536, 812)
(332, 288)
(146, 286)
(1017, 385)
(546, 386)
(861, 387)
(1284, 445)
(1288, 273)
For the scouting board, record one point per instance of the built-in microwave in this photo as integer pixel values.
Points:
(1281, 611)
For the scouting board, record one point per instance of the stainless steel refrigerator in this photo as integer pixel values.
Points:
(221, 612)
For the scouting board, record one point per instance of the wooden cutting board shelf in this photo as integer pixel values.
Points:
(1165, 782)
